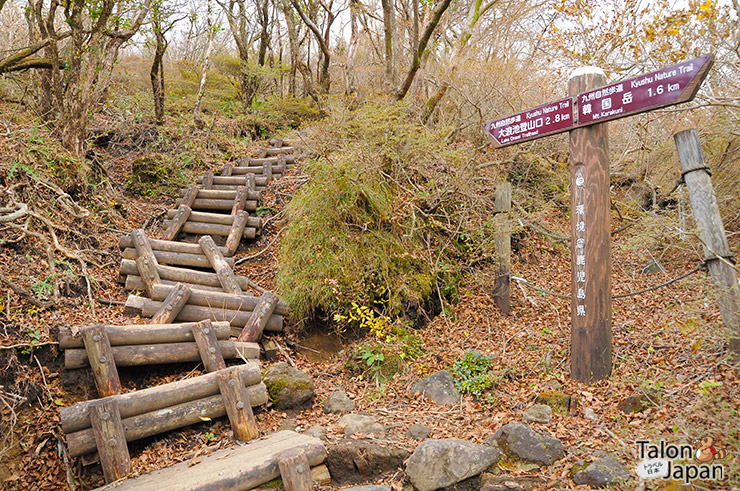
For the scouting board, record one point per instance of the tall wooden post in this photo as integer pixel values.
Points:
(717, 251)
(502, 242)
(591, 318)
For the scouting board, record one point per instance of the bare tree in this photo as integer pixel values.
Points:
(211, 31)
(322, 39)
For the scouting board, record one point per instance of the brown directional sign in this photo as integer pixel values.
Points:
(672, 85)
(548, 119)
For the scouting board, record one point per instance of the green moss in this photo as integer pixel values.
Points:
(154, 174)
(558, 401)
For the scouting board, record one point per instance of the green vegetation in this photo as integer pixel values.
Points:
(472, 373)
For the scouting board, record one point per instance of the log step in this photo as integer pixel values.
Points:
(237, 468)
(219, 204)
(217, 218)
(177, 258)
(259, 162)
(122, 335)
(205, 228)
(168, 246)
(222, 194)
(190, 276)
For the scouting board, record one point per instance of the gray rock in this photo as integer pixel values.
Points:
(490, 482)
(368, 487)
(601, 472)
(356, 461)
(539, 413)
(288, 387)
(360, 423)
(317, 431)
(439, 387)
(439, 463)
(338, 402)
(652, 266)
(589, 413)
(418, 432)
(523, 442)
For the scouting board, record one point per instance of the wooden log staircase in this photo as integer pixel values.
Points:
(200, 311)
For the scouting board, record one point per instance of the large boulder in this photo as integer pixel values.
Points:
(355, 461)
(288, 387)
(521, 441)
(359, 423)
(601, 472)
(439, 463)
(439, 387)
(338, 402)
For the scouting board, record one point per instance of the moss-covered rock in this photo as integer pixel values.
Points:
(288, 387)
(152, 174)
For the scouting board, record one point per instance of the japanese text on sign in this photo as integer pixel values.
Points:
(579, 201)
(543, 120)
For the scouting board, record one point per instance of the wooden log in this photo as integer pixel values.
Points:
(110, 440)
(220, 204)
(239, 180)
(201, 228)
(240, 201)
(224, 272)
(232, 187)
(196, 313)
(134, 283)
(320, 475)
(279, 151)
(189, 195)
(100, 356)
(266, 173)
(166, 246)
(282, 165)
(179, 258)
(207, 180)
(183, 275)
(276, 142)
(220, 300)
(241, 171)
(591, 301)
(146, 263)
(183, 212)
(253, 162)
(261, 153)
(237, 231)
(142, 334)
(208, 346)
(77, 417)
(238, 407)
(218, 218)
(162, 353)
(260, 315)
(251, 183)
(717, 252)
(160, 421)
(242, 467)
(295, 470)
(173, 304)
(269, 349)
(502, 241)
(227, 194)
(227, 170)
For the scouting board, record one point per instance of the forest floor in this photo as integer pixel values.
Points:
(667, 342)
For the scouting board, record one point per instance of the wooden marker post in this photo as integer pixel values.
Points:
(591, 298)
(717, 251)
(502, 241)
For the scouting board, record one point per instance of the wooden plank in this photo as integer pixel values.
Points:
(172, 305)
(100, 356)
(237, 230)
(591, 312)
(124, 335)
(239, 468)
(238, 407)
(163, 353)
(260, 316)
(220, 204)
(207, 180)
(166, 246)
(110, 440)
(183, 212)
(208, 346)
(221, 300)
(160, 421)
(717, 250)
(77, 417)
(502, 242)
(189, 196)
(295, 470)
(224, 272)
(180, 258)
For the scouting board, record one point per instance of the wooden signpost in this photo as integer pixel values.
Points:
(589, 105)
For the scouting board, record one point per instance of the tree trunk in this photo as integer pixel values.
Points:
(352, 51)
(388, 22)
(206, 60)
(157, 72)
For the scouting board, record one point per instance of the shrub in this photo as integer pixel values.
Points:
(472, 373)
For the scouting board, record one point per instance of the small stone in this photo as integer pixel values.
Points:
(652, 266)
(288, 387)
(418, 432)
(601, 472)
(491, 482)
(560, 402)
(589, 413)
(360, 423)
(539, 413)
(317, 431)
(439, 387)
(440, 463)
(338, 402)
(288, 424)
(368, 487)
(521, 441)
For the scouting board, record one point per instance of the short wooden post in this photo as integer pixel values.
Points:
(251, 182)
(188, 198)
(260, 316)
(282, 165)
(502, 242)
(146, 263)
(207, 180)
(717, 251)
(224, 272)
(591, 301)
(208, 346)
(240, 200)
(227, 170)
(267, 172)
(181, 216)
(110, 439)
(295, 470)
(238, 407)
(103, 365)
(176, 299)
(237, 229)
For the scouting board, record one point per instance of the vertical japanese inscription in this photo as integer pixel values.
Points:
(579, 208)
